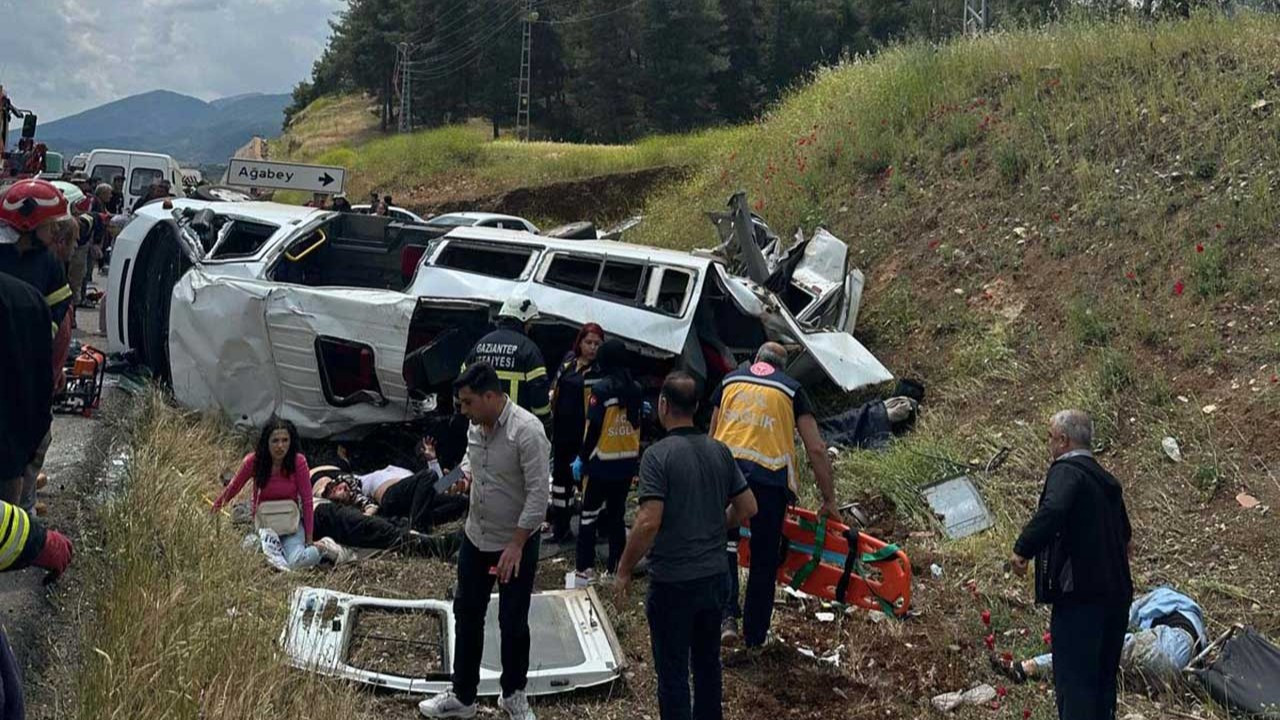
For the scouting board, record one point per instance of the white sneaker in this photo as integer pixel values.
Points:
(329, 549)
(517, 706)
(447, 705)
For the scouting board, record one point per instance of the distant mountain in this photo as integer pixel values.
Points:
(192, 130)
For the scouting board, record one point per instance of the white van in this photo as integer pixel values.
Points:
(137, 171)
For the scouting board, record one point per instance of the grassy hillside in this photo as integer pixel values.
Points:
(1084, 216)
(463, 161)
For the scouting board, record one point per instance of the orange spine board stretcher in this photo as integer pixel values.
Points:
(887, 584)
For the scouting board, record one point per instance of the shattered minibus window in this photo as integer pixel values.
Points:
(506, 263)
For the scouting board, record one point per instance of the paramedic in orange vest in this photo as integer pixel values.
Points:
(758, 411)
(609, 459)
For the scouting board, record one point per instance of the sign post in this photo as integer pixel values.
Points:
(286, 176)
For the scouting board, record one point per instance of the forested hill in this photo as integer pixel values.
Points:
(613, 70)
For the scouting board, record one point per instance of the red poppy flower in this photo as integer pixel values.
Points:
(933, 245)
(759, 205)
(1199, 248)
(990, 641)
(1047, 638)
(986, 617)
(1178, 287)
(1007, 657)
(1130, 275)
(1001, 691)
(1026, 713)
(1217, 226)
(1055, 217)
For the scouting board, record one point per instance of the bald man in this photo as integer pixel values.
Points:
(758, 412)
(1081, 539)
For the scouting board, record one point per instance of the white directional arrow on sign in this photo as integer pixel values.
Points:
(286, 176)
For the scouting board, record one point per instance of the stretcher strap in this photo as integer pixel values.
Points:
(855, 562)
(819, 531)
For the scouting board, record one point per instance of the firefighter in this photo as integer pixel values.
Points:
(758, 411)
(24, 542)
(570, 393)
(516, 358)
(609, 459)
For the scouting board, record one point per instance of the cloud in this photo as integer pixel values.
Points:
(64, 56)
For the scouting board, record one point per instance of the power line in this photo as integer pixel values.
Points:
(588, 18)
(460, 60)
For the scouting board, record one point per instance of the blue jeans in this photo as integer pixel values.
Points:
(297, 552)
(684, 631)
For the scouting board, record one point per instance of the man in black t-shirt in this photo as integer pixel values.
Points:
(686, 482)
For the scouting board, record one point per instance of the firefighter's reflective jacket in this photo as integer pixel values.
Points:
(758, 409)
(21, 540)
(611, 447)
(519, 365)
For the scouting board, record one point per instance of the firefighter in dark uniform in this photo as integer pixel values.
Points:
(516, 358)
(570, 391)
(758, 411)
(609, 459)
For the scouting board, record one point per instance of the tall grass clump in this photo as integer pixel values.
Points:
(185, 624)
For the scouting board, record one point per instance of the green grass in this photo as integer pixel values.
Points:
(184, 623)
(466, 155)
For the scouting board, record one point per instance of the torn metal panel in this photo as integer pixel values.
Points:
(747, 245)
(854, 282)
(820, 275)
(249, 349)
(219, 351)
(960, 506)
(573, 644)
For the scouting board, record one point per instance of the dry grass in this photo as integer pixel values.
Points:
(185, 623)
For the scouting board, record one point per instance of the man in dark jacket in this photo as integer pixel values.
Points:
(1081, 539)
(26, 379)
(521, 369)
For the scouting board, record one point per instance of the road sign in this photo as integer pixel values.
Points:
(286, 176)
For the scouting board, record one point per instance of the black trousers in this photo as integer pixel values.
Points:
(684, 630)
(415, 498)
(564, 450)
(471, 602)
(766, 539)
(1087, 639)
(349, 526)
(604, 505)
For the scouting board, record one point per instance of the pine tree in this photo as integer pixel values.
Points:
(742, 89)
(605, 85)
(684, 56)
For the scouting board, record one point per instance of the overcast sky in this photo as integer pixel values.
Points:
(58, 57)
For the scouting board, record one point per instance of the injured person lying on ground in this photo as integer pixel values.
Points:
(397, 494)
(338, 517)
(1166, 630)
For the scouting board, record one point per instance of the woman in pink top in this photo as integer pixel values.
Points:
(279, 472)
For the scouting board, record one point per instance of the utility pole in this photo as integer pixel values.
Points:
(522, 89)
(404, 51)
(976, 16)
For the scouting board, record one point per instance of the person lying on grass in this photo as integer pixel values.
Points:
(1166, 630)
(396, 493)
(339, 518)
